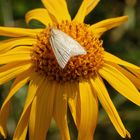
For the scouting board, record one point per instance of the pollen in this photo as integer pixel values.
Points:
(78, 67)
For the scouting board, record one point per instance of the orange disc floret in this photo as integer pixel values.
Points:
(78, 67)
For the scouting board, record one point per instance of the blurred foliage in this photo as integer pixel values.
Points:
(123, 41)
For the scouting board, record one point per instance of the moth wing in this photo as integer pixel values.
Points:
(72, 46)
(64, 47)
(60, 51)
(77, 49)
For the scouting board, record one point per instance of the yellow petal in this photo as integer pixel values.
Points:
(3, 120)
(111, 58)
(20, 49)
(22, 125)
(12, 70)
(60, 111)
(129, 75)
(20, 81)
(18, 32)
(42, 110)
(85, 9)
(136, 72)
(89, 111)
(39, 81)
(98, 32)
(120, 82)
(14, 58)
(11, 43)
(39, 14)
(57, 9)
(32, 118)
(91, 4)
(108, 24)
(100, 90)
(74, 102)
(22, 53)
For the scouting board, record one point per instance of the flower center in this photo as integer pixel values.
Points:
(78, 67)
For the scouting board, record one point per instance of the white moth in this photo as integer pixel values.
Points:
(64, 47)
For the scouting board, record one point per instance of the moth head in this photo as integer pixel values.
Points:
(54, 31)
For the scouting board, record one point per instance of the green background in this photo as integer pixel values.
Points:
(123, 42)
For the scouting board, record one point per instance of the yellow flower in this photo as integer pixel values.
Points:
(28, 57)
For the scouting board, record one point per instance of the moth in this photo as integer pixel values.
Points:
(64, 47)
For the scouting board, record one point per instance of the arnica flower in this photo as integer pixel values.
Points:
(27, 56)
